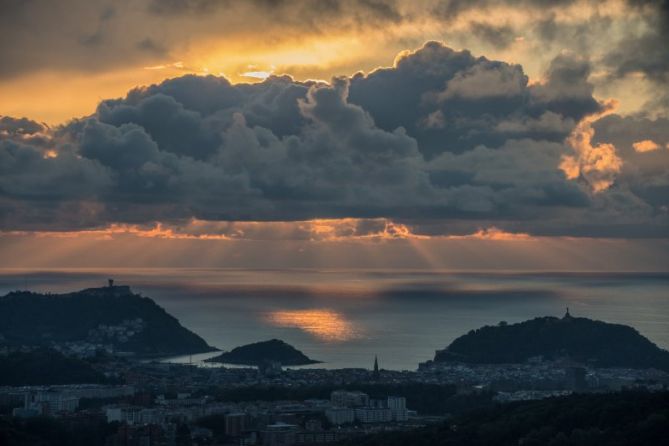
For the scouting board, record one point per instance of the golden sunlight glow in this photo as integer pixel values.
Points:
(108, 233)
(493, 233)
(262, 75)
(260, 247)
(646, 145)
(327, 325)
(599, 164)
(319, 230)
(202, 46)
(348, 229)
(54, 98)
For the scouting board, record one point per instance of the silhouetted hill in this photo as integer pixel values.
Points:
(45, 367)
(259, 352)
(110, 316)
(585, 340)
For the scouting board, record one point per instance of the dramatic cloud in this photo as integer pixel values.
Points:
(442, 141)
(452, 101)
(59, 58)
(645, 146)
(645, 172)
(101, 34)
(597, 164)
(645, 52)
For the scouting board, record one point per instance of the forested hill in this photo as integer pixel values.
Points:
(259, 352)
(109, 316)
(620, 419)
(46, 367)
(585, 340)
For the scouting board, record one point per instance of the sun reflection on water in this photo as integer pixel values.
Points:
(326, 325)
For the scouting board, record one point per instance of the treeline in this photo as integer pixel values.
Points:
(53, 432)
(627, 418)
(46, 367)
(427, 399)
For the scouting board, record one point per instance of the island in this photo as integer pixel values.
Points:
(591, 342)
(111, 319)
(258, 353)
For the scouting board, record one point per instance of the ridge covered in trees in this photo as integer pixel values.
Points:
(111, 316)
(259, 352)
(616, 419)
(596, 343)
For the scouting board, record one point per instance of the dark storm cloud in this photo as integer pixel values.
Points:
(451, 9)
(35, 189)
(24, 130)
(568, 91)
(637, 49)
(648, 51)
(151, 46)
(624, 131)
(645, 170)
(635, 41)
(500, 36)
(382, 10)
(19, 126)
(183, 6)
(441, 136)
(73, 35)
(101, 36)
(451, 100)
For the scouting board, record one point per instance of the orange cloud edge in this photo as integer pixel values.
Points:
(317, 230)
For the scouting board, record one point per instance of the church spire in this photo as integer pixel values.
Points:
(567, 315)
(375, 374)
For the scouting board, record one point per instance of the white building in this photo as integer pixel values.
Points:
(397, 402)
(398, 406)
(127, 414)
(373, 415)
(49, 402)
(344, 398)
(340, 415)
(134, 415)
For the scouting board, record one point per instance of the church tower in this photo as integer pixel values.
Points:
(375, 373)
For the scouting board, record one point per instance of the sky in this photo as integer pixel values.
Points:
(481, 134)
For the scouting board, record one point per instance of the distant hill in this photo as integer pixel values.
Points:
(585, 340)
(46, 367)
(259, 352)
(111, 316)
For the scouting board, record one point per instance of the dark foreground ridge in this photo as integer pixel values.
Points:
(627, 418)
(45, 366)
(112, 319)
(591, 342)
(260, 352)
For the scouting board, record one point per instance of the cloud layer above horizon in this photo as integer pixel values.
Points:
(443, 142)
(60, 58)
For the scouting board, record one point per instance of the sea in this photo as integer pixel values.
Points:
(347, 318)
